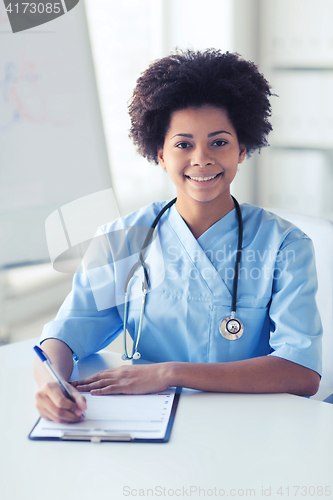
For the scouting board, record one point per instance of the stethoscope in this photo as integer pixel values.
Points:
(231, 328)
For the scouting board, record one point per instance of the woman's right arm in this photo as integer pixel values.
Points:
(50, 400)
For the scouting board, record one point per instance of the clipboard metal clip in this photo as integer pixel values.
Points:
(95, 436)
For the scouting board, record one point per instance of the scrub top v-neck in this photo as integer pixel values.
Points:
(191, 289)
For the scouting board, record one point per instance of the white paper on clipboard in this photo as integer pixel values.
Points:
(117, 418)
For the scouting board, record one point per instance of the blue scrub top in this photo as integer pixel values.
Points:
(191, 284)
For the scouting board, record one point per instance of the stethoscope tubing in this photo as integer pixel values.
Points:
(145, 283)
(238, 255)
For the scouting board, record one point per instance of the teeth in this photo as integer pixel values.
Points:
(202, 179)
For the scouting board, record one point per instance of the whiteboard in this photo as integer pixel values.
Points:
(52, 145)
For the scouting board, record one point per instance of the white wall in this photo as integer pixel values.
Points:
(126, 37)
(296, 55)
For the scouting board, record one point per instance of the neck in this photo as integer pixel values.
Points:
(200, 216)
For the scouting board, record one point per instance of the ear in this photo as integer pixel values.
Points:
(160, 158)
(242, 153)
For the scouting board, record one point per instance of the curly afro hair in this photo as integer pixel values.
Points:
(193, 79)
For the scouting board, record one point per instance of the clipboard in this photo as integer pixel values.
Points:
(118, 418)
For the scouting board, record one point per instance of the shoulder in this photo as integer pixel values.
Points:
(264, 225)
(143, 217)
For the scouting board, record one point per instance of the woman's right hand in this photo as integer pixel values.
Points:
(52, 404)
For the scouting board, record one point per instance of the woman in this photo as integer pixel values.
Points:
(197, 115)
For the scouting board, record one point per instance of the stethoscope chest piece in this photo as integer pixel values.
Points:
(231, 328)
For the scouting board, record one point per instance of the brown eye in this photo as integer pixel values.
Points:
(219, 142)
(182, 145)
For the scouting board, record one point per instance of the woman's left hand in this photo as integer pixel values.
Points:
(133, 379)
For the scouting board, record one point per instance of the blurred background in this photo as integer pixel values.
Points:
(64, 89)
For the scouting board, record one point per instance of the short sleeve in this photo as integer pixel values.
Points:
(82, 322)
(296, 330)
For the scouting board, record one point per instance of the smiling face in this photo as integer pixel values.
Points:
(201, 154)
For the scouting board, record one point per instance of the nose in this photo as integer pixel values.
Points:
(202, 157)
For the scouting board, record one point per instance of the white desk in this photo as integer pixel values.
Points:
(223, 441)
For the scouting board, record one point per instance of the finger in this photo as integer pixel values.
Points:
(61, 416)
(47, 418)
(93, 378)
(47, 409)
(87, 380)
(80, 400)
(104, 391)
(45, 414)
(58, 398)
(59, 407)
(94, 385)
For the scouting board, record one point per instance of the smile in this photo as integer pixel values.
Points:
(203, 179)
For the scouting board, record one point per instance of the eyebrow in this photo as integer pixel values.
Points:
(212, 134)
(218, 132)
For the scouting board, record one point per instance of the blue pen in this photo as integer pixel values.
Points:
(43, 357)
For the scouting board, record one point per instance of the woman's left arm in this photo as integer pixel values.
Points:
(265, 374)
